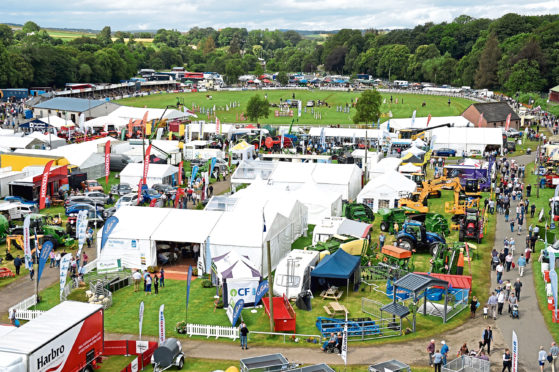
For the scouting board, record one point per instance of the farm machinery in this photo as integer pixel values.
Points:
(449, 259)
(415, 237)
(358, 212)
(434, 222)
(58, 235)
(471, 226)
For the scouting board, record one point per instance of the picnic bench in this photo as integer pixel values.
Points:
(335, 309)
(332, 293)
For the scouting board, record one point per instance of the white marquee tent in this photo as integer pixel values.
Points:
(157, 173)
(385, 190)
(128, 112)
(383, 166)
(471, 140)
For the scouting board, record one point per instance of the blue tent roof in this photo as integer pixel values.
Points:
(339, 265)
(69, 104)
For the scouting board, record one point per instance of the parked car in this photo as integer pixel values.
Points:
(109, 212)
(19, 199)
(127, 200)
(149, 194)
(94, 212)
(92, 185)
(98, 197)
(121, 189)
(445, 152)
(513, 133)
(79, 199)
(167, 189)
(119, 162)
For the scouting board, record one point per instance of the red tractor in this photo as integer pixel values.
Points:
(471, 226)
(551, 180)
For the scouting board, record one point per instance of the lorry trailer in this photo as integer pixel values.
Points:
(67, 338)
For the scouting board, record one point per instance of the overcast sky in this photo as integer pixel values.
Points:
(272, 14)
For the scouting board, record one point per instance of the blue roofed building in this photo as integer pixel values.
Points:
(71, 108)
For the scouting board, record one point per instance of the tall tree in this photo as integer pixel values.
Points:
(486, 74)
(257, 107)
(368, 107)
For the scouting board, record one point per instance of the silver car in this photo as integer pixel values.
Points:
(98, 197)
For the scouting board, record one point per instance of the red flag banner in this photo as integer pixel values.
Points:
(44, 184)
(217, 125)
(144, 122)
(428, 120)
(179, 182)
(146, 164)
(107, 161)
(508, 122)
(480, 121)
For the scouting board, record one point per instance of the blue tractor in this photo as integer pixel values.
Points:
(414, 237)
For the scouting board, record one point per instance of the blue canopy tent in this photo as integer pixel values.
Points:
(335, 269)
(35, 125)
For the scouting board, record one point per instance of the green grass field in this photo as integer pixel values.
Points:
(122, 316)
(435, 105)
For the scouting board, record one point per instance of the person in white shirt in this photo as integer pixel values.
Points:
(501, 302)
(542, 357)
(137, 277)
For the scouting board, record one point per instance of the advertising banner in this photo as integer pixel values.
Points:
(237, 289)
(107, 161)
(162, 324)
(44, 184)
(514, 352)
(110, 225)
(141, 319)
(45, 251)
(64, 265)
(27, 242)
(261, 291)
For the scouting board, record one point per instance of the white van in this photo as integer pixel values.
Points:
(293, 273)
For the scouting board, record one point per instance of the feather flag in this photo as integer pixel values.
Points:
(507, 125)
(428, 120)
(413, 118)
(44, 184)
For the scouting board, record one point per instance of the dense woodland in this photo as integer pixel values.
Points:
(512, 54)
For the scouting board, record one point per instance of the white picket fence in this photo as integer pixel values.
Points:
(90, 266)
(212, 331)
(22, 307)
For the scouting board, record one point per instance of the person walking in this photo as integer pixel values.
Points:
(521, 262)
(17, 264)
(57, 258)
(501, 302)
(147, 281)
(507, 361)
(438, 361)
(517, 286)
(499, 270)
(554, 352)
(431, 351)
(52, 257)
(243, 331)
(492, 304)
(85, 258)
(162, 278)
(512, 300)
(487, 337)
(542, 357)
(444, 351)
(137, 277)
(474, 304)
(381, 240)
(508, 260)
(156, 283)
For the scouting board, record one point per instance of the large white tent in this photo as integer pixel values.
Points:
(356, 133)
(130, 241)
(157, 173)
(341, 178)
(383, 166)
(255, 221)
(136, 113)
(385, 190)
(135, 237)
(103, 122)
(421, 122)
(473, 141)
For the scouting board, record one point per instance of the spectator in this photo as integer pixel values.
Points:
(542, 357)
(507, 360)
(444, 351)
(431, 351)
(17, 264)
(438, 361)
(517, 286)
(554, 352)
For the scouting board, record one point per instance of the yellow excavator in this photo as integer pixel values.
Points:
(415, 133)
(464, 199)
(418, 200)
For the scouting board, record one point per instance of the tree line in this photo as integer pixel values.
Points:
(513, 53)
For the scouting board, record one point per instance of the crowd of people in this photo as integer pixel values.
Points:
(153, 280)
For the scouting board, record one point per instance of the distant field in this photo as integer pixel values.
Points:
(68, 35)
(435, 105)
